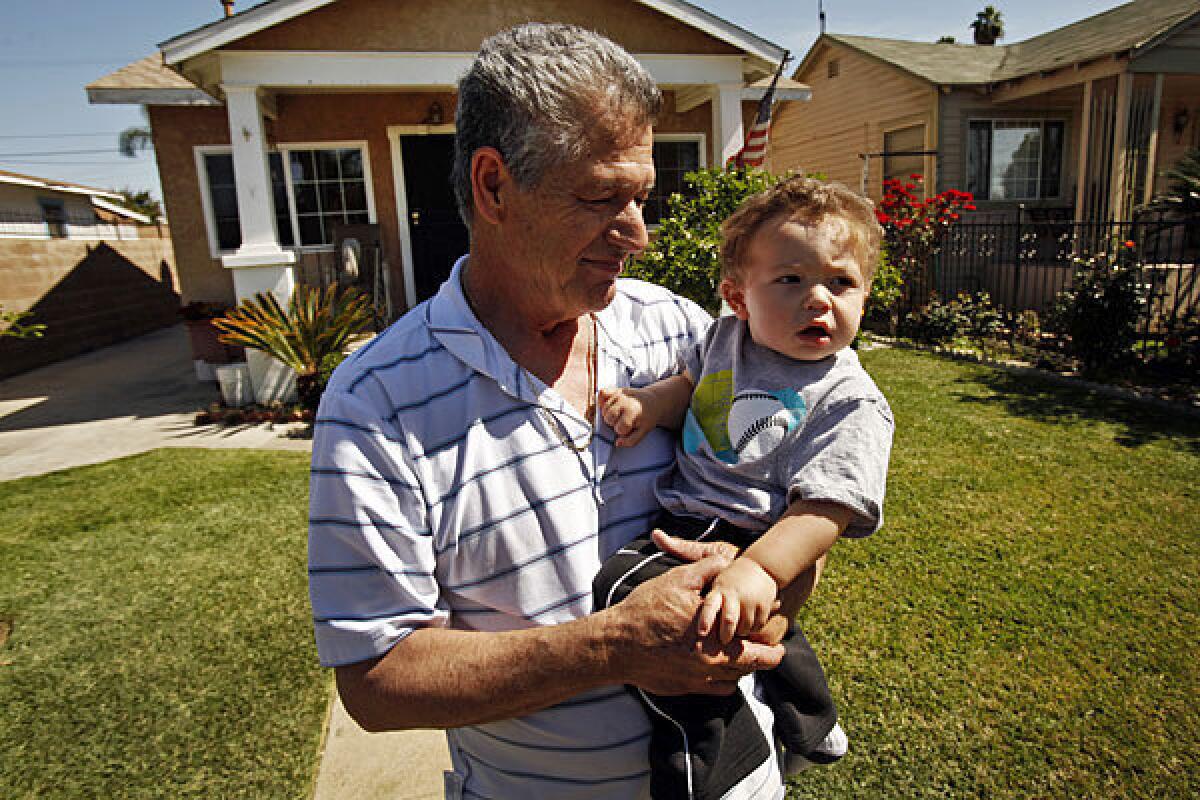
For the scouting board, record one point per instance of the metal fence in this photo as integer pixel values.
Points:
(18, 225)
(1024, 264)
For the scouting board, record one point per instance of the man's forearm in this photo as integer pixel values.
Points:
(439, 678)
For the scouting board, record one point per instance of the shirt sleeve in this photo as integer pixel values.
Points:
(690, 358)
(841, 456)
(370, 552)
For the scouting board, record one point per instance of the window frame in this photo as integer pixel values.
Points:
(283, 150)
(701, 141)
(1060, 194)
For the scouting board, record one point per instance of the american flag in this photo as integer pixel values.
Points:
(754, 151)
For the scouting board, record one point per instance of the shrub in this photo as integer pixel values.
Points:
(886, 289)
(980, 320)
(935, 324)
(685, 257)
(1100, 311)
(913, 228)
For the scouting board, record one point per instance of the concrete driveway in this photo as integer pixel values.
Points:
(143, 394)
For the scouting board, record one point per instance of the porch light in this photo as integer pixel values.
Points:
(434, 115)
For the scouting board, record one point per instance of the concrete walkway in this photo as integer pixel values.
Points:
(141, 395)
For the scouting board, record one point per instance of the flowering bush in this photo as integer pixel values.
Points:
(1101, 309)
(913, 227)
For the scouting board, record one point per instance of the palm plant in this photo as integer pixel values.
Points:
(315, 329)
(1183, 188)
(136, 138)
(988, 26)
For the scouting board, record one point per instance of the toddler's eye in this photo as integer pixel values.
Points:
(845, 282)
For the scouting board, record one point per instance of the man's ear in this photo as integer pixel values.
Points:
(735, 298)
(489, 179)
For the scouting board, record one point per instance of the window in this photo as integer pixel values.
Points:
(328, 186)
(311, 190)
(674, 157)
(1015, 159)
(897, 145)
(222, 200)
(833, 68)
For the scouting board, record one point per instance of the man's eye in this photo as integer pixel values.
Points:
(788, 279)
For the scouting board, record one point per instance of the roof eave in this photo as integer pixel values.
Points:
(222, 32)
(150, 97)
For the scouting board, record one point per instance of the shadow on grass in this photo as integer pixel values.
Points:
(1047, 400)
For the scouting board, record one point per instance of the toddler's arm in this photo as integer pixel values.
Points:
(743, 594)
(633, 413)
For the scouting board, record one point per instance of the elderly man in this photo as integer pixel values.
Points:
(464, 493)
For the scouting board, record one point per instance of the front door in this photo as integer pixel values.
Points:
(438, 234)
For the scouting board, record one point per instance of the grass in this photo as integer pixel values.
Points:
(1025, 623)
(160, 639)
(1023, 627)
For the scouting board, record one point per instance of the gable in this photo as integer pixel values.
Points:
(461, 25)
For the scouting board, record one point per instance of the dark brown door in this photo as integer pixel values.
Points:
(438, 234)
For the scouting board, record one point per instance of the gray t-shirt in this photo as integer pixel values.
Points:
(764, 430)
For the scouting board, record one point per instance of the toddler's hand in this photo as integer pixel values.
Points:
(627, 413)
(739, 602)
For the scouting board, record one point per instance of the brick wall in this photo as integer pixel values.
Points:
(88, 294)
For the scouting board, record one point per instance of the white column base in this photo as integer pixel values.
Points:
(272, 381)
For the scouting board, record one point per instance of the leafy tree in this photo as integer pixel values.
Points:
(988, 26)
(143, 202)
(136, 138)
(946, 40)
(686, 255)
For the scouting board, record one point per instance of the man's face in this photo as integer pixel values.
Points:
(572, 234)
(801, 290)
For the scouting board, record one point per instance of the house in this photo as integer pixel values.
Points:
(342, 114)
(40, 208)
(1074, 124)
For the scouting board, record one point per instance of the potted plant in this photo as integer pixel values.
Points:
(207, 348)
(314, 330)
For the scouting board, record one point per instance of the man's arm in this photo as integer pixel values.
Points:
(438, 678)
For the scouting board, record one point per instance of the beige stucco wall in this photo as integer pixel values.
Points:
(848, 115)
(88, 294)
(23, 200)
(460, 26)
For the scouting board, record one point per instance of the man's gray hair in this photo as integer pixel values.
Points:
(539, 94)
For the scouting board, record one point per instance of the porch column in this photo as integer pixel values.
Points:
(1152, 154)
(260, 264)
(1085, 140)
(727, 120)
(1117, 205)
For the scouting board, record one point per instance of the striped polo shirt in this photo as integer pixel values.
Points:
(442, 494)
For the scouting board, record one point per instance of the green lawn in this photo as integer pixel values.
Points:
(1025, 624)
(161, 643)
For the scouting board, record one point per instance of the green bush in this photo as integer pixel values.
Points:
(1100, 311)
(886, 289)
(685, 257)
(936, 323)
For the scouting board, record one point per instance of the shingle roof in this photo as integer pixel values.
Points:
(147, 73)
(1124, 28)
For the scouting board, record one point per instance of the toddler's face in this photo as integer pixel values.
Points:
(802, 289)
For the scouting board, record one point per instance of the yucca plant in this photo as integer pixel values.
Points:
(316, 326)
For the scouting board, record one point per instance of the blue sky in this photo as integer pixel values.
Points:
(50, 49)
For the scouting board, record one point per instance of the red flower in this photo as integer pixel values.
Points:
(969, 207)
(1130, 244)
(916, 176)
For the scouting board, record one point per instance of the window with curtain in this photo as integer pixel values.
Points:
(673, 158)
(1015, 159)
(901, 141)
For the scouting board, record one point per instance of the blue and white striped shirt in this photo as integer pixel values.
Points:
(442, 495)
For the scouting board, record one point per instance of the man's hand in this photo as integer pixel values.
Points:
(629, 412)
(656, 650)
(739, 602)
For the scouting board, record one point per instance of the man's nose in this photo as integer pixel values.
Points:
(628, 229)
